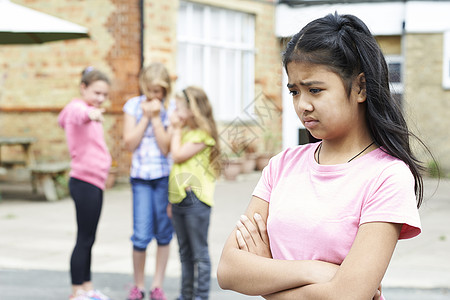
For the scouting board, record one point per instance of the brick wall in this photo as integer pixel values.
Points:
(427, 103)
(124, 57)
(36, 81)
(160, 33)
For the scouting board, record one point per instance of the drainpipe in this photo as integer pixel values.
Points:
(141, 35)
(403, 53)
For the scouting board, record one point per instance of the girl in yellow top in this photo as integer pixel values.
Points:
(195, 153)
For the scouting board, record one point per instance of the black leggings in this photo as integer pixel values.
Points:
(88, 204)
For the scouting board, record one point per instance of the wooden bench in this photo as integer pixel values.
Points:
(9, 164)
(46, 176)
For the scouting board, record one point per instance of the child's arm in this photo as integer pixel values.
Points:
(362, 270)
(132, 132)
(162, 135)
(358, 277)
(181, 152)
(251, 274)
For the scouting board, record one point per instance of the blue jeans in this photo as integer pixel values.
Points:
(191, 222)
(150, 219)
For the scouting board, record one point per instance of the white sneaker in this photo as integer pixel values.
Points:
(96, 295)
(80, 295)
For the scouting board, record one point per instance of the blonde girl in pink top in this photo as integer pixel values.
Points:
(82, 121)
(325, 217)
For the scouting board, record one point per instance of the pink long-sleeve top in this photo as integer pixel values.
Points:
(90, 158)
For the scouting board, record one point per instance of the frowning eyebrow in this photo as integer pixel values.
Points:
(307, 83)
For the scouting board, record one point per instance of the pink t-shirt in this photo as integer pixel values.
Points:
(90, 156)
(315, 210)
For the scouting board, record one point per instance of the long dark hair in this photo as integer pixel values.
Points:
(344, 44)
(204, 119)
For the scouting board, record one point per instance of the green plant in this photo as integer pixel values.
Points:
(271, 141)
(433, 169)
(62, 185)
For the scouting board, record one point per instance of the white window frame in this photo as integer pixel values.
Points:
(227, 104)
(446, 61)
(397, 87)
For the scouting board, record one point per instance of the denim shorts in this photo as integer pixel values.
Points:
(150, 219)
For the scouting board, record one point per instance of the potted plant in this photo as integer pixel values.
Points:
(270, 142)
(232, 162)
(232, 166)
(249, 163)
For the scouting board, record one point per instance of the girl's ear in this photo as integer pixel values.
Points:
(83, 86)
(360, 86)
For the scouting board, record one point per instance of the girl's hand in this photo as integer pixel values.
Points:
(96, 114)
(175, 120)
(251, 238)
(152, 108)
(155, 107)
(169, 210)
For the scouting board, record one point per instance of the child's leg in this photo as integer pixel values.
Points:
(88, 203)
(76, 289)
(88, 286)
(162, 256)
(197, 224)
(163, 228)
(139, 268)
(142, 227)
(186, 258)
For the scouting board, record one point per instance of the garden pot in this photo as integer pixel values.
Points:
(249, 163)
(231, 169)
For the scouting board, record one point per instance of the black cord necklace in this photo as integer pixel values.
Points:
(320, 148)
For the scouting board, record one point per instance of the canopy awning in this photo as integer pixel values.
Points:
(22, 25)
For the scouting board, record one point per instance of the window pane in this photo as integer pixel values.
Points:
(182, 21)
(247, 78)
(181, 67)
(197, 65)
(247, 30)
(215, 25)
(213, 90)
(213, 56)
(229, 33)
(395, 77)
(230, 85)
(395, 72)
(196, 22)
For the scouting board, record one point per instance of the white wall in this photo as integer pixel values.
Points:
(291, 122)
(382, 18)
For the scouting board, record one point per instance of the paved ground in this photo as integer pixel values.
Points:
(36, 238)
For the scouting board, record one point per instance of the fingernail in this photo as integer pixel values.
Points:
(257, 216)
(239, 224)
(244, 218)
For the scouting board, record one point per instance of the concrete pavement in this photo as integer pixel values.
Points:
(36, 239)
